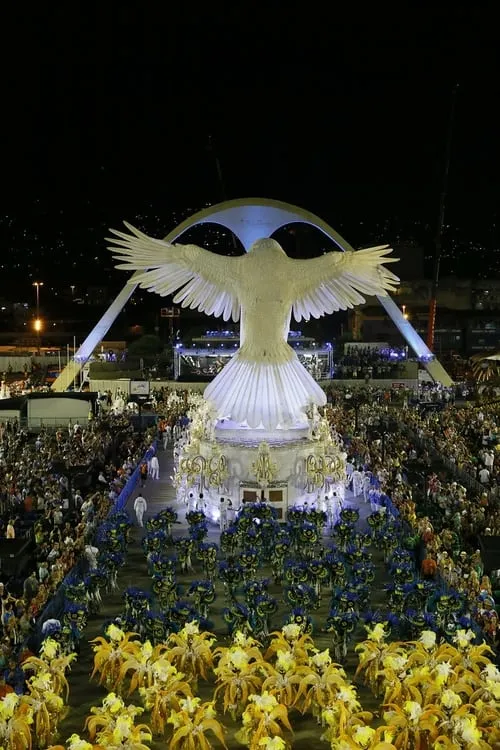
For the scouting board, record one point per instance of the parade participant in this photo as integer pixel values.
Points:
(223, 515)
(155, 468)
(140, 507)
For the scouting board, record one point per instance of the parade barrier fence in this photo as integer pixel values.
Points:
(55, 607)
(123, 498)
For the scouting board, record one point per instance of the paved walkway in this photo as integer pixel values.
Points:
(159, 493)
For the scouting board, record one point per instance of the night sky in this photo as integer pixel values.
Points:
(107, 113)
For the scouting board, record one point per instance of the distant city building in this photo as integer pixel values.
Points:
(468, 315)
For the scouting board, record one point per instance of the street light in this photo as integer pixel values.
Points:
(38, 322)
(37, 285)
(38, 325)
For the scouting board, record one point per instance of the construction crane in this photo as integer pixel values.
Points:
(438, 242)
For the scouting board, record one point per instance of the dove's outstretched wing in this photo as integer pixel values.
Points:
(338, 280)
(205, 281)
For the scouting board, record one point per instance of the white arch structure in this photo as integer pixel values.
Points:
(249, 219)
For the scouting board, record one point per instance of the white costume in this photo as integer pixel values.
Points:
(140, 507)
(264, 382)
(223, 517)
(330, 510)
(230, 514)
(166, 436)
(367, 485)
(155, 468)
(357, 482)
(91, 556)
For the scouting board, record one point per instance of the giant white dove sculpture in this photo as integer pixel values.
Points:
(264, 384)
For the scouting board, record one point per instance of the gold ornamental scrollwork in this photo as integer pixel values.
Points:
(264, 468)
(324, 467)
(192, 468)
(315, 470)
(335, 467)
(218, 470)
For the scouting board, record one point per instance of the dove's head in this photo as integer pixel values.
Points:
(266, 245)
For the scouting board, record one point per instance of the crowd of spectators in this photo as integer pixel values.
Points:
(447, 516)
(365, 363)
(54, 489)
(468, 436)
